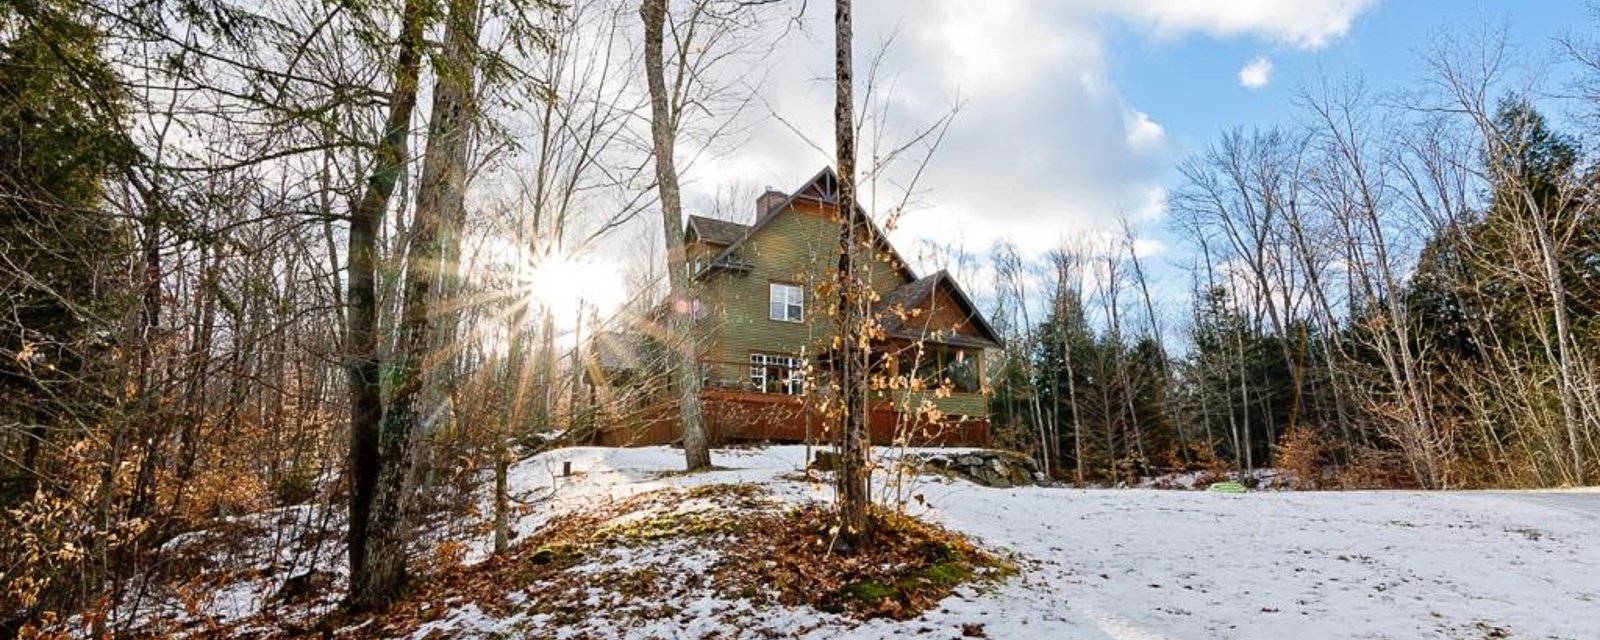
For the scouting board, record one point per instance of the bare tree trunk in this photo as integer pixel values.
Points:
(1310, 262)
(854, 497)
(411, 411)
(574, 393)
(1111, 298)
(1161, 344)
(545, 403)
(663, 129)
(450, 137)
(516, 392)
(367, 455)
(1072, 399)
(1244, 402)
(1011, 271)
(1571, 416)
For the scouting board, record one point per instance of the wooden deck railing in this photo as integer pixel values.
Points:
(734, 412)
(739, 375)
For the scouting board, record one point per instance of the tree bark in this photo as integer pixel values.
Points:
(512, 416)
(663, 132)
(1161, 347)
(853, 490)
(444, 174)
(1066, 266)
(1549, 261)
(361, 340)
(412, 406)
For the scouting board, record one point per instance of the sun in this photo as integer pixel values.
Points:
(561, 283)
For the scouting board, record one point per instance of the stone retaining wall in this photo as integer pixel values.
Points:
(1001, 469)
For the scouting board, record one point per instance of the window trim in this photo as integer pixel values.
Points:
(773, 287)
(761, 362)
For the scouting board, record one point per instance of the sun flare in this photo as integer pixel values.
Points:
(561, 283)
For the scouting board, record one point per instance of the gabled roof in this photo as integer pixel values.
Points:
(714, 231)
(822, 187)
(912, 294)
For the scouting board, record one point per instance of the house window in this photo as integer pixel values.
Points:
(786, 302)
(777, 374)
(962, 373)
(937, 366)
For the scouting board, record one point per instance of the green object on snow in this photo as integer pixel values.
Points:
(1227, 487)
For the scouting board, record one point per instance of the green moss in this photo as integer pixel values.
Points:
(871, 592)
(677, 525)
(954, 569)
(946, 574)
(547, 555)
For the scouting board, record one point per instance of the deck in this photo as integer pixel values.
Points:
(737, 415)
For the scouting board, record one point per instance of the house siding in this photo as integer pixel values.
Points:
(798, 246)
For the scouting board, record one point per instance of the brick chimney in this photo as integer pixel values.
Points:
(769, 200)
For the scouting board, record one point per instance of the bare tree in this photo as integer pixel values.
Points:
(705, 37)
(1130, 244)
(377, 550)
(1068, 263)
(1352, 187)
(852, 350)
(1539, 211)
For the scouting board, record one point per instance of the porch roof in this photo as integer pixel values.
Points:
(912, 295)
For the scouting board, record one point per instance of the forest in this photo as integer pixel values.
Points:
(1387, 294)
(260, 255)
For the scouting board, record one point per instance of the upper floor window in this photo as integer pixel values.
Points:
(786, 302)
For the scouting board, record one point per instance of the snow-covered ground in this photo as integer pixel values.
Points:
(1136, 564)
(1124, 564)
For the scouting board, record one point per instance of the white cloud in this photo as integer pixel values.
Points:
(1045, 146)
(1146, 247)
(994, 46)
(1256, 74)
(1144, 134)
(1306, 24)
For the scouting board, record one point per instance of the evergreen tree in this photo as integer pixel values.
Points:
(63, 284)
(1064, 347)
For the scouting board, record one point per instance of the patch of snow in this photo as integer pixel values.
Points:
(1124, 564)
(250, 559)
(1135, 563)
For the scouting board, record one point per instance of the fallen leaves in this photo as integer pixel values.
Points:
(640, 559)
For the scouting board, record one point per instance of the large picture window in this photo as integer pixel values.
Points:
(777, 374)
(936, 366)
(786, 302)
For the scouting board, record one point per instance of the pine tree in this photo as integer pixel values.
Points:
(61, 138)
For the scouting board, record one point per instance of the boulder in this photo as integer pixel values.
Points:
(1019, 476)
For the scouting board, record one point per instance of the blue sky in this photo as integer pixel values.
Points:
(1075, 113)
(1189, 85)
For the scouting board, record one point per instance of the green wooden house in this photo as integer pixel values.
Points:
(764, 339)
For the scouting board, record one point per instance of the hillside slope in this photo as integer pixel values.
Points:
(1121, 564)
